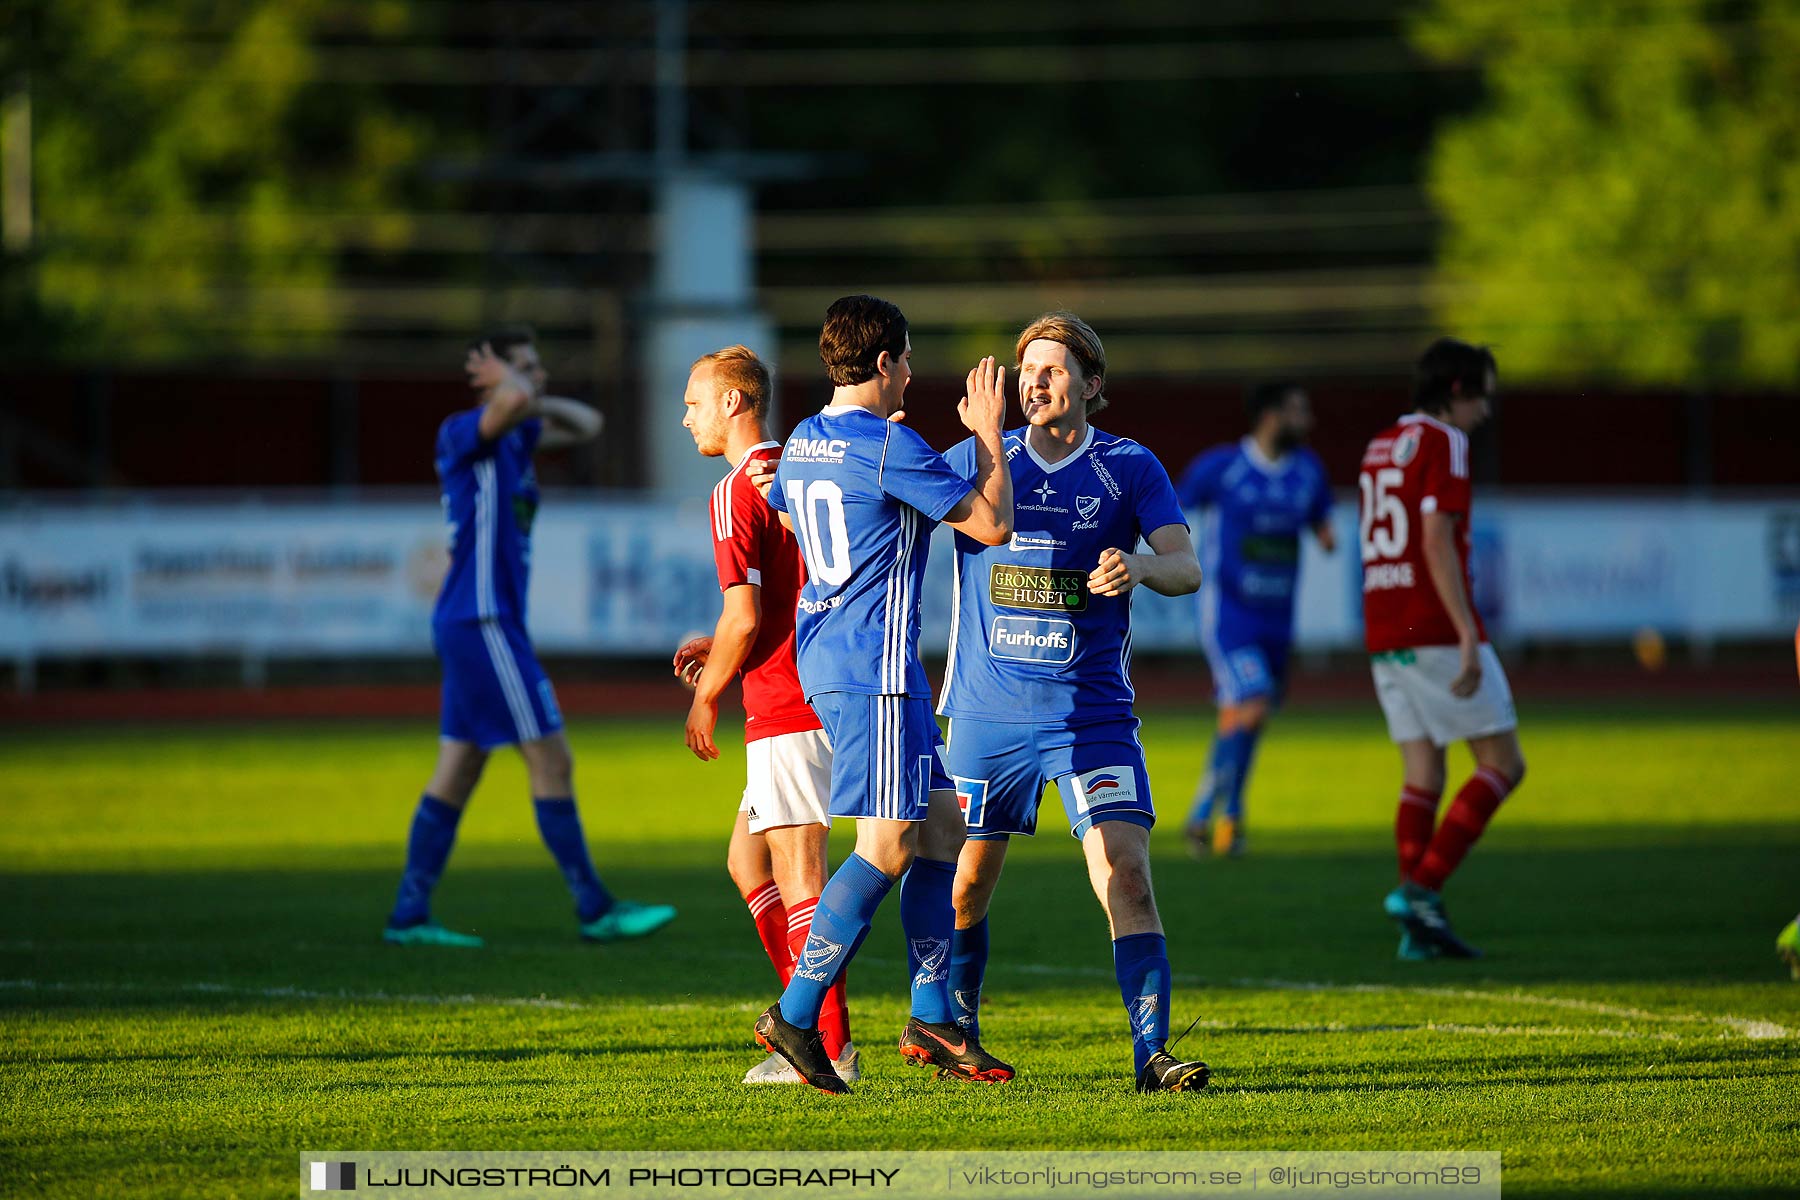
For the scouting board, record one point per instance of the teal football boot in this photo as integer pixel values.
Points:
(625, 920)
(430, 933)
(1419, 911)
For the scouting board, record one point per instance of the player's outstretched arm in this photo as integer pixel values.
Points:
(986, 513)
(731, 642)
(1170, 569)
(1446, 576)
(567, 422)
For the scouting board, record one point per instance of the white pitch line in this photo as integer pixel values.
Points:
(471, 1000)
(293, 993)
(1747, 1027)
(1756, 1030)
(1750, 1027)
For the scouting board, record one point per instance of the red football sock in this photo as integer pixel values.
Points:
(772, 927)
(1463, 825)
(834, 1014)
(1414, 822)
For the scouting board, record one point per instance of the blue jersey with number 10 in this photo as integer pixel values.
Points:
(863, 494)
(1030, 643)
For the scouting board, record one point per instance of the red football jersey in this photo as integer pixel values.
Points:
(750, 545)
(1414, 467)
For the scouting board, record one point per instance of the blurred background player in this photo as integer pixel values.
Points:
(495, 693)
(1787, 942)
(862, 493)
(1436, 676)
(1258, 495)
(1038, 684)
(777, 855)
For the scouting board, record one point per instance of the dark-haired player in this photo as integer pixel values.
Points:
(862, 493)
(1436, 676)
(495, 693)
(1259, 495)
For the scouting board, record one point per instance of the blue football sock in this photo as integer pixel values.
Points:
(1228, 768)
(1141, 962)
(1243, 751)
(929, 920)
(427, 850)
(560, 826)
(968, 964)
(840, 922)
(1201, 811)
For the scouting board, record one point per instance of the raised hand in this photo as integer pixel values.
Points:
(488, 371)
(983, 406)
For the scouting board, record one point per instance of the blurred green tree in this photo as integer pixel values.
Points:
(1626, 204)
(189, 167)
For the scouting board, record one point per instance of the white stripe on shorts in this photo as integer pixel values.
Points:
(511, 685)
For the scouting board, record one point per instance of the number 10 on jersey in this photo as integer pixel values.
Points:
(804, 500)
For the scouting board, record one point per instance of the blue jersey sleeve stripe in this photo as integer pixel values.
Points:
(484, 539)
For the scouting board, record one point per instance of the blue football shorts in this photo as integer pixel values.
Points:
(1248, 667)
(495, 693)
(885, 757)
(1000, 769)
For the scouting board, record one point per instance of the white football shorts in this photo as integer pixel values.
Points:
(1414, 689)
(788, 780)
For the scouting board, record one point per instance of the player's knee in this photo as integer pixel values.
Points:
(1507, 760)
(553, 774)
(746, 873)
(891, 856)
(1426, 779)
(558, 762)
(945, 845)
(974, 886)
(1129, 888)
(456, 776)
(970, 904)
(1246, 717)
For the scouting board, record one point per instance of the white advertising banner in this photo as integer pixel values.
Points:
(630, 577)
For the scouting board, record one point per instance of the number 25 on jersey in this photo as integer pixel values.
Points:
(1384, 527)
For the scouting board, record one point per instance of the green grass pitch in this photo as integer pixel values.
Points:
(192, 989)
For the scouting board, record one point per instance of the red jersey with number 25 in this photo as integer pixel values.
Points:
(750, 545)
(1416, 466)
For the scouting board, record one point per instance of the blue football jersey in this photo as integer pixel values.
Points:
(1029, 643)
(864, 495)
(1256, 510)
(490, 497)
